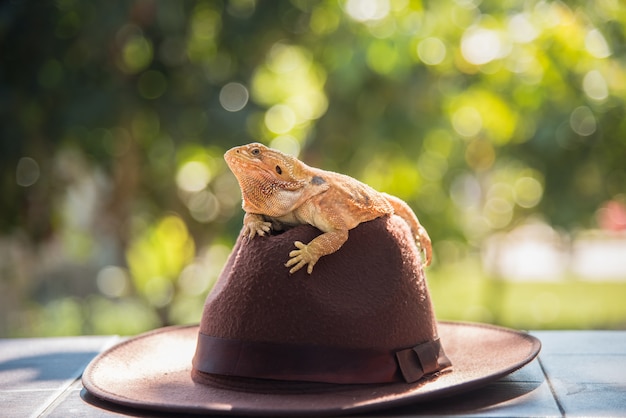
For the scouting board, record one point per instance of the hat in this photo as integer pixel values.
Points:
(358, 334)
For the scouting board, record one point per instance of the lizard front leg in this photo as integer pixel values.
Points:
(324, 244)
(254, 225)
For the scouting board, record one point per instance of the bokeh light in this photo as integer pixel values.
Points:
(27, 172)
(113, 281)
(582, 121)
(467, 121)
(193, 176)
(522, 29)
(596, 44)
(432, 51)
(234, 97)
(152, 84)
(595, 86)
(481, 46)
(366, 10)
(137, 54)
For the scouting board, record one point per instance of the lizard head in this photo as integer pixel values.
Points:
(261, 162)
(272, 183)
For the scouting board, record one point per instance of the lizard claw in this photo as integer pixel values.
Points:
(254, 228)
(301, 257)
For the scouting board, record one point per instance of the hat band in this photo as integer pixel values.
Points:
(312, 363)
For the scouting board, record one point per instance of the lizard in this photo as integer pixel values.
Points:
(279, 190)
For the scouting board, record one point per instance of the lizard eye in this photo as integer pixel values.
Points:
(255, 151)
(279, 170)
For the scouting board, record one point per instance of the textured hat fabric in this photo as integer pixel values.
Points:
(271, 343)
(372, 290)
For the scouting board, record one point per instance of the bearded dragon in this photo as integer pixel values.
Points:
(280, 191)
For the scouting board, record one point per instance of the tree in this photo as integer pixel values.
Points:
(115, 116)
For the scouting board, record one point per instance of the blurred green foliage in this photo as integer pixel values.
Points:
(118, 211)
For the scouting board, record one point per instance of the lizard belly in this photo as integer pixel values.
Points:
(288, 219)
(329, 217)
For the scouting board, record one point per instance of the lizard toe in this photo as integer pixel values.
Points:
(249, 233)
(296, 257)
(297, 267)
(300, 258)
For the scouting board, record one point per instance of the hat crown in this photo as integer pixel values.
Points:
(369, 296)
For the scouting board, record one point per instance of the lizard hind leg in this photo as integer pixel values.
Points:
(403, 210)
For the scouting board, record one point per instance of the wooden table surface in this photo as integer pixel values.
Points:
(578, 373)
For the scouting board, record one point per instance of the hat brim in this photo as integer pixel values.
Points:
(153, 372)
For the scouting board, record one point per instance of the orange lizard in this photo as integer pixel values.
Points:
(279, 190)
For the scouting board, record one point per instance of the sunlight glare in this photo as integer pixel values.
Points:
(280, 119)
(522, 29)
(595, 86)
(596, 45)
(193, 176)
(367, 10)
(481, 46)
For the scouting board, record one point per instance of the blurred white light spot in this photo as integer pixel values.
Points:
(194, 279)
(466, 192)
(549, 14)
(284, 58)
(203, 206)
(468, 4)
(364, 10)
(431, 51)
(480, 46)
(308, 106)
(27, 172)
(521, 29)
(234, 97)
(582, 121)
(595, 86)
(531, 259)
(280, 119)
(498, 212)
(159, 291)
(596, 44)
(193, 176)
(287, 144)
(467, 121)
(600, 257)
(530, 252)
(112, 281)
(527, 192)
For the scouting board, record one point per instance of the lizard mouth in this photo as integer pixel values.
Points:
(237, 161)
(242, 163)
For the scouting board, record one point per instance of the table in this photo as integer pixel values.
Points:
(578, 373)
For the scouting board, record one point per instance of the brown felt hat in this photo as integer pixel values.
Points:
(358, 334)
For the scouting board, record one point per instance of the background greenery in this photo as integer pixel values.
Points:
(118, 211)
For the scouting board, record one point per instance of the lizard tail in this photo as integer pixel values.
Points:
(404, 211)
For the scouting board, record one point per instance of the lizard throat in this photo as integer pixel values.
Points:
(266, 195)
